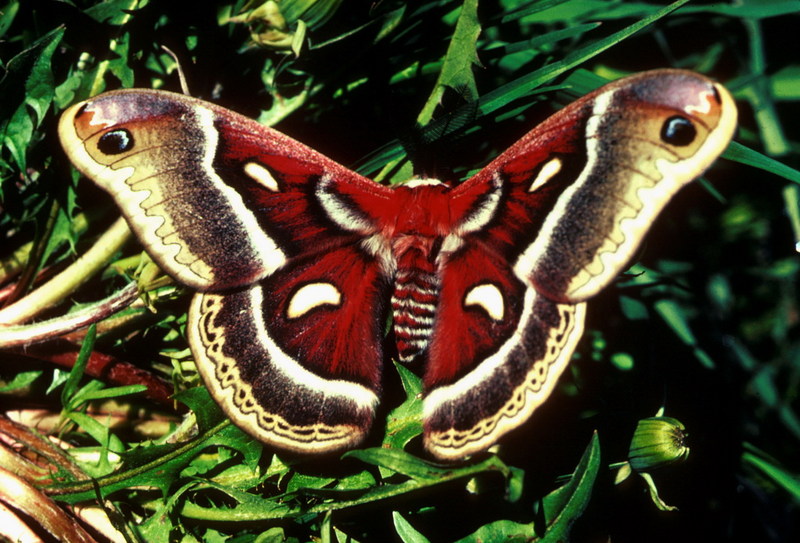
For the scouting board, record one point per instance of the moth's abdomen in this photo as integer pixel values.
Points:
(414, 301)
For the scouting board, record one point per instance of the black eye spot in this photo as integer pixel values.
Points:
(115, 142)
(678, 131)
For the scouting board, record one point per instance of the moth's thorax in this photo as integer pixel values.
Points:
(423, 208)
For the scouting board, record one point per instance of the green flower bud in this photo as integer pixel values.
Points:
(657, 442)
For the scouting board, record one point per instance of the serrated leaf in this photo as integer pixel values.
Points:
(401, 462)
(155, 466)
(285, 506)
(561, 507)
(33, 67)
(359, 481)
(456, 72)
(160, 524)
(300, 481)
(423, 471)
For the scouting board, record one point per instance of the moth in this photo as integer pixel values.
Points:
(298, 262)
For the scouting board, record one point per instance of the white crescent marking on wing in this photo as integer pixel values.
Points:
(262, 245)
(488, 297)
(261, 175)
(294, 371)
(529, 259)
(551, 168)
(311, 296)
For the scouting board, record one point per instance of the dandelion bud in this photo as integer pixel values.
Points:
(657, 442)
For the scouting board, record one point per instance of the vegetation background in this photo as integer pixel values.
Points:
(705, 323)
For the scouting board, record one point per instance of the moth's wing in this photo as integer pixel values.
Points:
(287, 331)
(497, 350)
(580, 191)
(295, 359)
(546, 226)
(218, 200)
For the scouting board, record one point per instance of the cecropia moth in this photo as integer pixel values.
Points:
(298, 261)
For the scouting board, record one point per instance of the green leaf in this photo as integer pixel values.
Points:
(161, 523)
(406, 532)
(404, 423)
(113, 12)
(88, 394)
(744, 155)
(522, 86)
(527, 10)
(456, 72)
(100, 433)
(20, 381)
(676, 318)
(399, 461)
(33, 66)
(560, 508)
(530, 45)
(7, 15)
(563, 506)
(148, 466)
(525, 85)
(623, 361)
(204, 407)
(502, 530)
(770, 468)
(752, 9)
(76, 374)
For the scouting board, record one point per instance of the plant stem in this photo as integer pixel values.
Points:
(66, 282)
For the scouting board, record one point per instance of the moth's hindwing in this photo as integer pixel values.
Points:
(513, 345)
(295, 359)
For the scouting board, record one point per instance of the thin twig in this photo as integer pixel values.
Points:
(66, 282)
(12, 336)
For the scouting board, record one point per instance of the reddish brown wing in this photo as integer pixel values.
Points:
(543, 228)
(282, 240)
(295, 359)
(218, 199)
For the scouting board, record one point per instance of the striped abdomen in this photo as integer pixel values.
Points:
(416, 293)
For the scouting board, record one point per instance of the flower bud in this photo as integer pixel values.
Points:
(657, 442)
